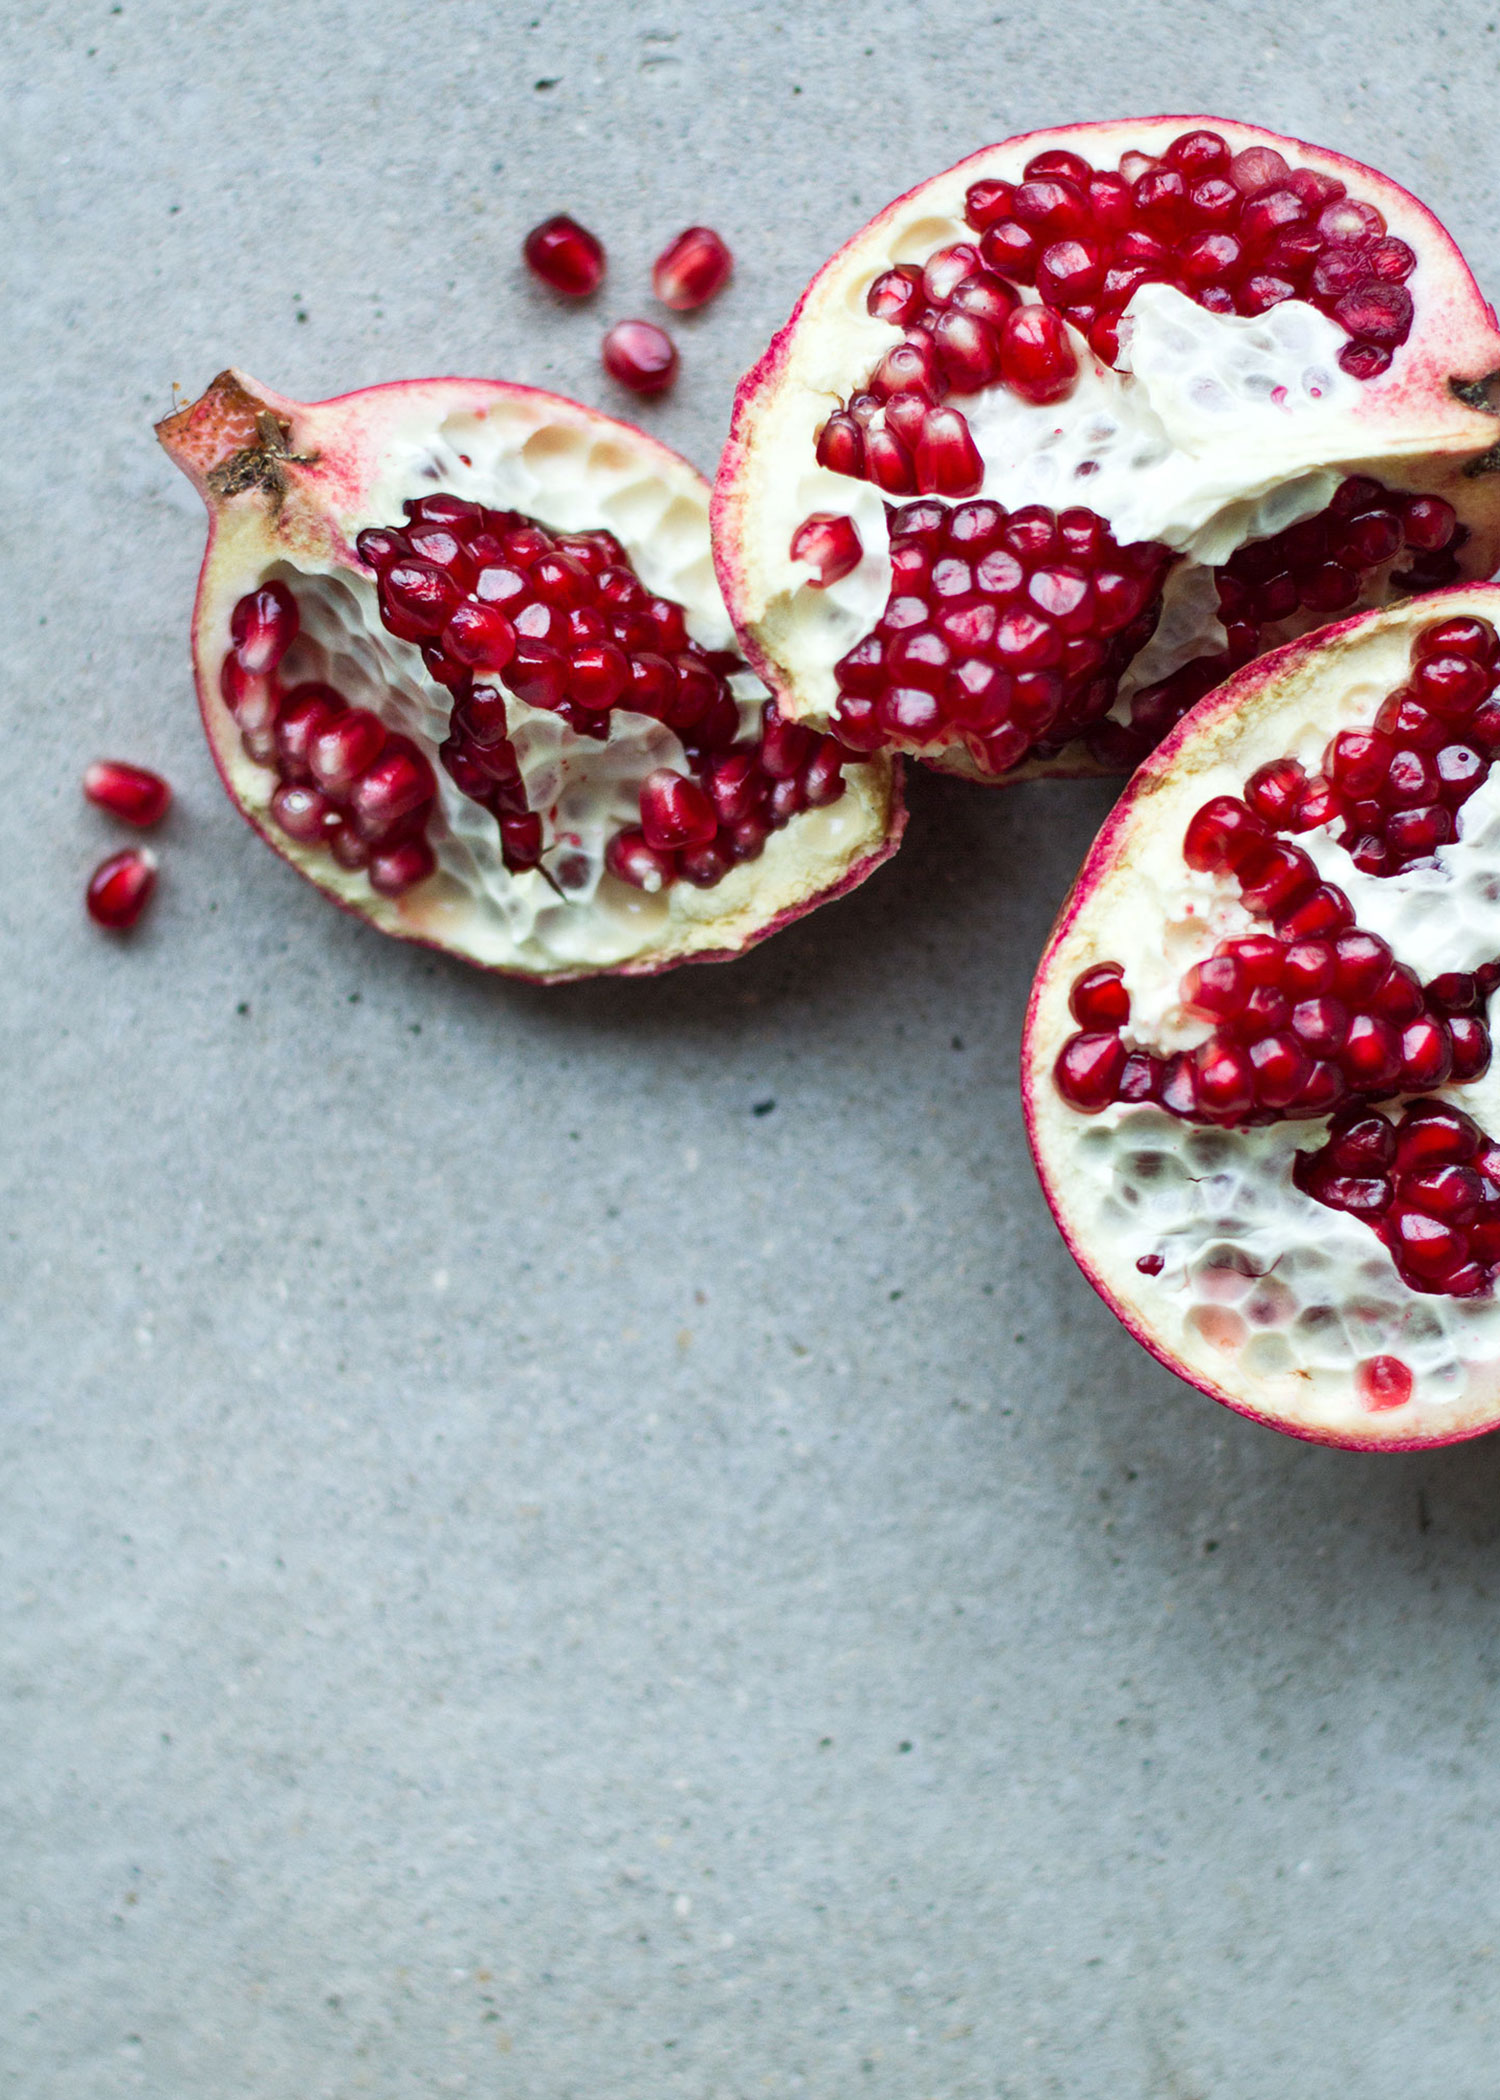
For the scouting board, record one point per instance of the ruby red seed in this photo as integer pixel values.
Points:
(120, 888)
(566, 256)
(132, 793)
(692, 269)
(640, 356)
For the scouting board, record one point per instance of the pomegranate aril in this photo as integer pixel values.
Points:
(987, 201)
(897, 295)
(565, 255)
(342, 749)
(947, 459)
(675, 812)
(1429, 523)
(417, 599)
(263, 626)
(1088, 1069)
(1037, 360)
(691, 269)
(1221, 835)
(1099, 999)
(521, 840)
(640, 356)
(120, 888)
(1010, 250)
(393, 870)
(131, 793)
(393, 789)
(480, 637)
(303, 813)
(829, 545)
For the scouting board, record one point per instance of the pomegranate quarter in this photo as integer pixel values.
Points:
(1258, 1068)
(462, 661)
(1108, 411)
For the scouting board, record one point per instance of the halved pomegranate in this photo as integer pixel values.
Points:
(1106, 411)
(1258, 1067)
(462, 662)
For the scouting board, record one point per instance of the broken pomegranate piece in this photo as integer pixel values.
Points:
(1246, 374)
(1258, 1063)
(462, 662)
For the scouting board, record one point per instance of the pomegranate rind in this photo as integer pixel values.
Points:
(1301, 694)
(289, 485)
(1423, 426)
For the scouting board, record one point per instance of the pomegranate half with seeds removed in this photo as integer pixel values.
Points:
(1102, 413)
(1258, 1067)
(462, 661)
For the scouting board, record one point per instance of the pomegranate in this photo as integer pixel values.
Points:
(120, 888)
(1109, 411)
(1258, 1066)
(133, 793)
(461, 661)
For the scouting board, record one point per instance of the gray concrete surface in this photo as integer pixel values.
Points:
(520, 1573)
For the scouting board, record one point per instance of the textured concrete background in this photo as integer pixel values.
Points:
(525, 1571)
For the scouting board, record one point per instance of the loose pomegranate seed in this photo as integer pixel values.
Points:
(830, 545)
(128, 792)
(691, 269)
(120, 888)
(641, 356)
(566, 256)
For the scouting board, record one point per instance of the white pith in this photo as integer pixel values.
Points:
(571, 470)
(1221, 430)
(1266, 1298)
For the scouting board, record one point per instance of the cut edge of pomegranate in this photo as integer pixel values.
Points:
(1239, 725)
(289, 485)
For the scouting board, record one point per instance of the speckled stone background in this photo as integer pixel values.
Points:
(593, 1545)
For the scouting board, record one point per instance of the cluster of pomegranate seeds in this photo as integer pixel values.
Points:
(1395, 789)
(1009, 629)
(691, 270)
(1429, 1186)
(641, 356)
(565, 623)
(1305, 1020)
(120, 888)
(1317, 1018)
(1317, 567)
(1237, 233)
(132, 793)
(343, 780)
(565, 255)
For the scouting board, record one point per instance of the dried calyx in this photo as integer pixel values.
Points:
(462, 661)
(1121, 407)
(1258, 1060)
